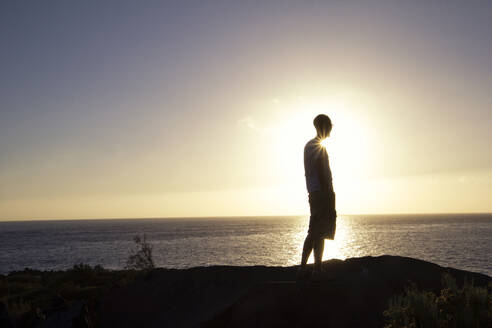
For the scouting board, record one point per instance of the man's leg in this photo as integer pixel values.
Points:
(306, 250)
(319, 246)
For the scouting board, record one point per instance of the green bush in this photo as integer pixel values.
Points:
(469, 306)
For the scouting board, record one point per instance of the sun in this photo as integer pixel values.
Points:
(351, 147)
(324, 143)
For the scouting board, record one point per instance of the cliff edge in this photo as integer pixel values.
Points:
(350, 293)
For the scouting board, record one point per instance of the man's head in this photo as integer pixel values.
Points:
(323, 125)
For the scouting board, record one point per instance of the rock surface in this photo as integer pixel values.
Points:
(351, 293)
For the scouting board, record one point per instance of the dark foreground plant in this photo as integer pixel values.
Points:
(469, 306)
(29, 297)
(141, 257)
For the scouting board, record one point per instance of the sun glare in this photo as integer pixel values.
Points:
(347, 146)
(334, 249)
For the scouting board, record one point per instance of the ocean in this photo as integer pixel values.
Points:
(461, 241)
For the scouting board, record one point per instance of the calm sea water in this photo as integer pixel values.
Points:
(460, 241)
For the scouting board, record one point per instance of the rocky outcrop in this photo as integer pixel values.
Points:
(350, 293)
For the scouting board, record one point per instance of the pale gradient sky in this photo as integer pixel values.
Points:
(182, 108)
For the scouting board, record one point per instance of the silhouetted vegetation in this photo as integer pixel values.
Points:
(468, 306)
(141, 257)
(29, 296)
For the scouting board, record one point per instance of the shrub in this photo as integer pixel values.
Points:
(28, 297)
(141, 257)
(469, 306)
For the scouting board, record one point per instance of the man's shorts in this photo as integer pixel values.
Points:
(323, 220)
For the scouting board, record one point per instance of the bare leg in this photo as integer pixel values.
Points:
(319, 246)
(306, 250)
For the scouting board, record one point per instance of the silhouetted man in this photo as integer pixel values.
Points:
(322, 222)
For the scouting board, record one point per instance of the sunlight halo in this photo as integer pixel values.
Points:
(348, 146)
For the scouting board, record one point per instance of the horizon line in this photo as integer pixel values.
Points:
(235, 216)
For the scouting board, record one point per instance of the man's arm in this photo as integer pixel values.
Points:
(324, 174)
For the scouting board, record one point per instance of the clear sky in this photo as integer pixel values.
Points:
(183, 108)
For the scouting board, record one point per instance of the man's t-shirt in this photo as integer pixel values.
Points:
(315, 156)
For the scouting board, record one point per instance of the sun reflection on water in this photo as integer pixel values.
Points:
(334, 249)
